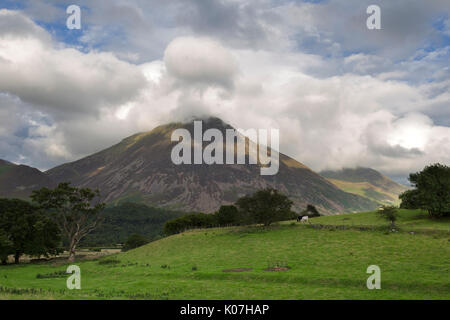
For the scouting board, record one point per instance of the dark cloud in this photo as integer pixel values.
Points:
(237, 23)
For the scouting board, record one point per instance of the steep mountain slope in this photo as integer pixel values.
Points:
(366, 182)
(139, 168)
(17, 181)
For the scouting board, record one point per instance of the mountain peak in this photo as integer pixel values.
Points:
(139, 168)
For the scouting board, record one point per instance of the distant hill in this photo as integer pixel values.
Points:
(17, 181)
(139, 169)
(366, 182)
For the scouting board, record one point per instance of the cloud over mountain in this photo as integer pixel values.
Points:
(340, 96)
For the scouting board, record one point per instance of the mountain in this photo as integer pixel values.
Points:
(366, 182)
(17, 181)
(139, 169)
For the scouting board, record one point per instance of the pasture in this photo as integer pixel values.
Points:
(320, 263)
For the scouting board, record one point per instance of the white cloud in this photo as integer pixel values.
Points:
(63, 81)
(331, 111)
(200, 62)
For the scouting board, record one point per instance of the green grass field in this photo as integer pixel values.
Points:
(327, 263)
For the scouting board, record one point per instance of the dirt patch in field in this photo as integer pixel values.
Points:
(237, 270)
(277, 269)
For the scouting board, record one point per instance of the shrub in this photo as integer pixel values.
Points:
(190, 221)
(57, 274)
(389, 213)
(109, 261)
(135, 241)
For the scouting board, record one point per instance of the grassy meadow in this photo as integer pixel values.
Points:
(322, 263)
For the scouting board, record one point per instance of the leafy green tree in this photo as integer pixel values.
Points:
(311, 211)
(75, 211)
(135, 241)
(432, 189)
(388, 213)
(227, 215)
(265, 206)
(27, 230)
(6, 247)
(410, 199)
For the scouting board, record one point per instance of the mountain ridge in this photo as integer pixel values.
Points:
(366, 182)
(139, 169)
(18, 180)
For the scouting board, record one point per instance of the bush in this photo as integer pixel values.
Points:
(109, 261)
(135, 241)
(389, 213)
(57, 274)
(190, 221)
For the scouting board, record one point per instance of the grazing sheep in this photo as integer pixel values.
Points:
(302, 219)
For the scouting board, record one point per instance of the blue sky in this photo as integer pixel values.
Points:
(349, 96)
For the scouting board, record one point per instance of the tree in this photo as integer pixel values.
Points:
(312, 211)
(6, 247)
(389, 213)
(135, 241)
(432, 189)
(410, 199)
(73, 210)
(26, 230)
(227, 215)
(265, 206)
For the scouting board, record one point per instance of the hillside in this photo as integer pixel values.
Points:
(17, 181)
(139, 169)
(367, 183)
(127, 218)
(321, 264)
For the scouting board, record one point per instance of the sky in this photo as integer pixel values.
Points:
(340, 94)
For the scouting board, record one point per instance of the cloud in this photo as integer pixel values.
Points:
(200, 62)
(63, 81)
(238, 23)
(339, 95)
(337, 27)
(14, 25)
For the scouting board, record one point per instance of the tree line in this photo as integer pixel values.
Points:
(263, 207)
